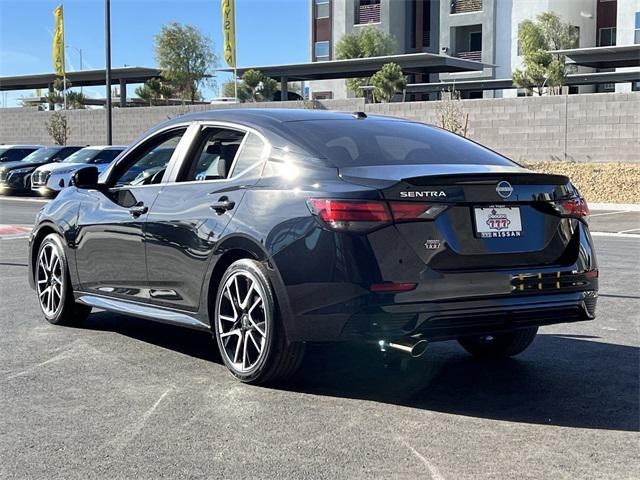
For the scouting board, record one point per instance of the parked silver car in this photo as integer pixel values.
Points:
(51, 178)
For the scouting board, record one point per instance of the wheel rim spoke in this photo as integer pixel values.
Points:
(235, 331)
(238, 347)
(256, 327)
(242, 322)
(253, 340)
(244, 351)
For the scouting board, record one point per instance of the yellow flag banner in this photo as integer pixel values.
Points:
(58, 42)
(229, 31)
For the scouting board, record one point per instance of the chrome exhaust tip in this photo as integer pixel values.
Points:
(414, 347)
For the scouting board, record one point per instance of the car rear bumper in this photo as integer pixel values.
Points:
(437, 321)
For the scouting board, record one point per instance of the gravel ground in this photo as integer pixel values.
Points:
(598, 182)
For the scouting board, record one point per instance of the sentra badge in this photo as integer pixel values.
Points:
(423, 194)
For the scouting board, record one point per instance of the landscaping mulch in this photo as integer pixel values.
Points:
(598, 182)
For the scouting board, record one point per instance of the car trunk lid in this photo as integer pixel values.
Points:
(495, 216)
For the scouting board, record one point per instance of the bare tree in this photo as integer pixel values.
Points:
(58, 128)
(450, 114)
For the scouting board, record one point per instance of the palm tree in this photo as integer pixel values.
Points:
(388, 81)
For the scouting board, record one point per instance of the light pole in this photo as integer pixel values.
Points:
(107, 35)
(79, 50)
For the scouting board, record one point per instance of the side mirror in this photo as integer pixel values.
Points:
(86, 177)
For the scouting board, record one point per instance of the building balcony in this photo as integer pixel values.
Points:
(476, 56)
(466, 6)
(368, 14)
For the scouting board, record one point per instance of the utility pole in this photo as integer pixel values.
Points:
(107, 34)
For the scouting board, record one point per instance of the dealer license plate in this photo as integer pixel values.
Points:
(498, 222)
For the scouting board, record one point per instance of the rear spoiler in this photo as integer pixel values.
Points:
(489, 178)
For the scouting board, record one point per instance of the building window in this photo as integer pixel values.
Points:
(322, 8)
(607, 37)
(322, 50)
(467, 42)
(367, 11)
(636, 38)
(475, 41)
(322, 95)
(466, 6)
(576, 30)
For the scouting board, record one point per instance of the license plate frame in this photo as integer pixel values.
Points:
(497, 221)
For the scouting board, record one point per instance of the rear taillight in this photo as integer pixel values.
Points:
(350, 214)
(365, 215)
(403, 211)
(576, 207)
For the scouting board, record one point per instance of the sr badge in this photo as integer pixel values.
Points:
(432, 244)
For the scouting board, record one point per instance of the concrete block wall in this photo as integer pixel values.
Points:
(587, 128)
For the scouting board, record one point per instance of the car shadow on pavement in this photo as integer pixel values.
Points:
(562, 380)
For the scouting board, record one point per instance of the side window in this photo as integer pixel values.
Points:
(105, 156)
(147, 164)
(213, 155)
(250, 156)
(15, 154)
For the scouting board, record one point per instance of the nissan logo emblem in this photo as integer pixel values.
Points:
(504, 189)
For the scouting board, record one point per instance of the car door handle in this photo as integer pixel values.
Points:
(222, 205)
(138, 210)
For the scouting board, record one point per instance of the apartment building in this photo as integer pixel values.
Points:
(481, 30)
(413, 23)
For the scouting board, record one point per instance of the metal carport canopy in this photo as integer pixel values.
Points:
(506, 83)
(417, 63)
(84, 78)
(603, 57)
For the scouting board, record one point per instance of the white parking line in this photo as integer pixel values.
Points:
(615, 234)
(609, 213)
(23, 199)
(630, 230)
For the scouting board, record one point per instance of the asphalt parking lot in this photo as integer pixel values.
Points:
(124, 398)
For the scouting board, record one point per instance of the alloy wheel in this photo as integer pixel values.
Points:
(242, 321)
(50, 280)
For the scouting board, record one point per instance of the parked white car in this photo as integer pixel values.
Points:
(51, 178)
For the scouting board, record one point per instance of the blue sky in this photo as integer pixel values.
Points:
(268, 32)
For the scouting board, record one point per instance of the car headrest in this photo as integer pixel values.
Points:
(214, 149)
(339, 154)
(419, 155)
(222, 167)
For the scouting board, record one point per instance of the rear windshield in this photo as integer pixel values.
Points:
(355, 143)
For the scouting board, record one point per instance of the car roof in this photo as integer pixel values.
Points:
(272, 121)
(267, 116)
(104, 147)
(20, 146)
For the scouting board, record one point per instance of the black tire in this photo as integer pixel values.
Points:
(68, 312)
(277, 359)
(499, 345)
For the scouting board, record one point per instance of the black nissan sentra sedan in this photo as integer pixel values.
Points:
(276, 228)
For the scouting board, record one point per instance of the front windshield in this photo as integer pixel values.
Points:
(82, 156)
(41, 155)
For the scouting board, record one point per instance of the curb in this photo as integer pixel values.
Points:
(629, 207)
